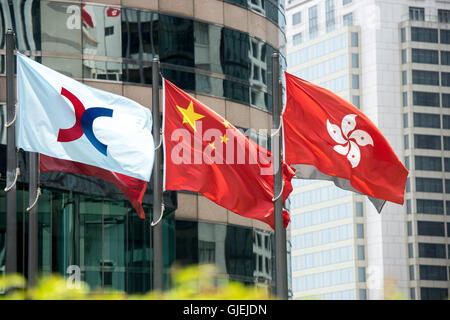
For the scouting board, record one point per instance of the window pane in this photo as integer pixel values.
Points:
(432, 250)
(361, 254)
(429, 272)
(404, 56)
(429, 185)
(445, 57)
(446, 143)
(445, 122)
(426, 120)
(360, 231)
(447, 164)
(428, 163)
(445, 36)
(433, 293)
(444, 16)
(297, 39)
(313, 26)
(430, 228)
(296, 18)
(355, 60)
(445, 100)
(417, 14)
(425, 56)
(348, 19)
(426, 206)
(427, 142)
(359, 209)
(424, 35)
(428, 99)
(329, 15)
(425, 77)
(445, 79)
(355, 39)
(361, 274)
(355, 81)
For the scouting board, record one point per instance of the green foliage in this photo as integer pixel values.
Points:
(196, 282)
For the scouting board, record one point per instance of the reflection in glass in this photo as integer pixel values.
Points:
(45, 232)
(102, 33)
(23, 17)
(114, 244)
(102, 70)
(91, 236)
(139, 34)
(61, 25)
(249, 262)
(138, 259)
(69, 67)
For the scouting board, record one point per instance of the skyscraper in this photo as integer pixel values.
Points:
(390, 60)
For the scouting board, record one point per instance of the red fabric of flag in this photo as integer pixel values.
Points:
(325, 131)
(206, 154)
(132, 188)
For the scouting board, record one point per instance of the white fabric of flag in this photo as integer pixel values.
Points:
(63, 118)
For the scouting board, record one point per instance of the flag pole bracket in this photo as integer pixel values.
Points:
(7, 125)
(38, 193)
(279, 128)
(153, 224)
(7, 189)
(281, 192)
(160, 141)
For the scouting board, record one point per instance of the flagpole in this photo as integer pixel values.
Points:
(280, 233)
(157, 183)
(11, 159)
(33, 196)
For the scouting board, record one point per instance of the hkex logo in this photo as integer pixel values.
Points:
(84, 120)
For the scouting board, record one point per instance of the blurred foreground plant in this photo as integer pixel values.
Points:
(195, 282)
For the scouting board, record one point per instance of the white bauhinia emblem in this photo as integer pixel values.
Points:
(349, 139)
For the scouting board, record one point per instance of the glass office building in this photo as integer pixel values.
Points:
(219, 51)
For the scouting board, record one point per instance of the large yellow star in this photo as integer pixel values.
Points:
(189, 116)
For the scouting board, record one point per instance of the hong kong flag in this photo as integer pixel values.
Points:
(328, 138)
(204, 153)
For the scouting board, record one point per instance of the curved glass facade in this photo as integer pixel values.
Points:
(88, 223)
(271, 9)
(88, 41)
(250, 262)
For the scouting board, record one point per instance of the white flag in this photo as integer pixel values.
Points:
(65, 119)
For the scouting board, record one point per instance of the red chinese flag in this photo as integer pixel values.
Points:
(132, 188)
(206, 154)
(328, 138)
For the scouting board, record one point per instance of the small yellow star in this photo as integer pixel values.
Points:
(189, 116)
(224, 139)
(226, 124)
(212, 145)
